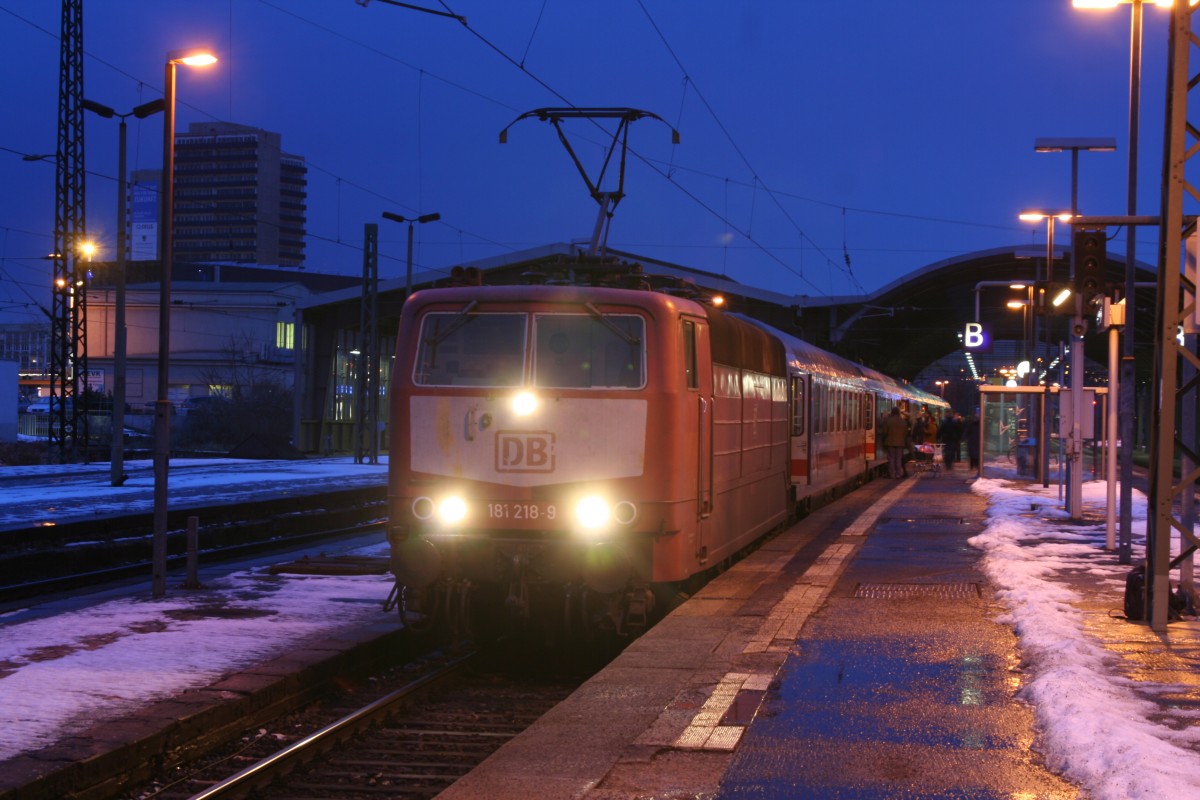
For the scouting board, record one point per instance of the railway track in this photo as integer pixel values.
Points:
(79, 555)
(411, 733)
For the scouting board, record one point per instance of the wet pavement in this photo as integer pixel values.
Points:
(903, 685)
(857, 655)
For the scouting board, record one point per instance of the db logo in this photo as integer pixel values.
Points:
(524, 451)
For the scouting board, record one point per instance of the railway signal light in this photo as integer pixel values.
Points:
(1088, 247)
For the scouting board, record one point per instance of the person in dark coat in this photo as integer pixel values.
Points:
(950, 434)
(971, 434)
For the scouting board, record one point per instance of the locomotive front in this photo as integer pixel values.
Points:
(518, 468)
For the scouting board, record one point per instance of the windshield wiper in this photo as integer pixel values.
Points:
(460, 319)
(630, 339)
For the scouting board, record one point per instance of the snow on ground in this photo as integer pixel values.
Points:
(81, 490)
(60, 674)
(1100, 729)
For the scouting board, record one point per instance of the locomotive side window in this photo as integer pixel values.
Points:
(689, 354)
(471, 350)
(589, 352)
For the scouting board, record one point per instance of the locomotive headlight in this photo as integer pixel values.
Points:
(593, 512)
(451, 510)
(524, 403)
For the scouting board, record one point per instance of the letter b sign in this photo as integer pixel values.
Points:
(977, 337)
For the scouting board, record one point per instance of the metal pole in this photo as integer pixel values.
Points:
(1075, 444)
(193, 554)
(1044, 434)
(117, 459)
(408, 273)
(1128, 378)
(1110, 453)
(162, 405)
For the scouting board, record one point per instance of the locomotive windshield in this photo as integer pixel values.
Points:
(581, 352)
(571, 351)
(471, 350)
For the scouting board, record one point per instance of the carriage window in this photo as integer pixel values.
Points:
(822, 423)
(798, 406)
(582, 351)
(459, 349)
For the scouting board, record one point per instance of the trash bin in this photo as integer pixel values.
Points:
(1026, 455)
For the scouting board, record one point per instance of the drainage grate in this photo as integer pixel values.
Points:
(909, 591)
(926, 520)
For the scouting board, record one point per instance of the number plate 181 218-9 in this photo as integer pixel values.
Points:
(522, 511)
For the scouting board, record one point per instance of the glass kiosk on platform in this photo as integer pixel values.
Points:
(1012, 419)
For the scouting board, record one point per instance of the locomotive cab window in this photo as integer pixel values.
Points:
(689, 354)
(471, 350)
(578, 351)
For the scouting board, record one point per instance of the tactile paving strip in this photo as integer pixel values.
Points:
(907, 591)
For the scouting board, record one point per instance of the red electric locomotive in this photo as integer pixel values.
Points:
(573, 453)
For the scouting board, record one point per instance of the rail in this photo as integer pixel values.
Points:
(258, 775)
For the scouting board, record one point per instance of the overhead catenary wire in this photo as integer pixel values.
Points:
(669, 173)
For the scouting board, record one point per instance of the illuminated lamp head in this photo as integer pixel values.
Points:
(451, 510)
(593, 512)
(524, 403)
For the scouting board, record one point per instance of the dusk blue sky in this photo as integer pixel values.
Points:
(891, 135)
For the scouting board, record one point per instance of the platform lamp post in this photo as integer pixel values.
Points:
(193, 57)
(1024, 307)
(117, 458)
(1037, 215)
(1075, 145)
(1126, 388)
(421, 220)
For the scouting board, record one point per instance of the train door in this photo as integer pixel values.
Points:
(869, 415)
(698, 361)
(801, 438)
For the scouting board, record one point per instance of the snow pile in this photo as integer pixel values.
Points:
(1098, 726)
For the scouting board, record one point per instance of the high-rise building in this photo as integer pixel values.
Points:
(238, 198)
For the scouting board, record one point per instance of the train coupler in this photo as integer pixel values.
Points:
(517, 602)
(639, 604)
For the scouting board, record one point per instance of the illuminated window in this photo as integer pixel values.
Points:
(284, 331)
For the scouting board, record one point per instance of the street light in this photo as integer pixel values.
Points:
(117, 458)
(1075, 145)
(410, 220)
(1024, 306)
(1037, 215)
(1052, 145)
(1125, 387)
(193, 57)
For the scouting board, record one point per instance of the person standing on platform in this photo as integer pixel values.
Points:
(895, 440)
(971, 434)
(931, 428)
(918, 429)
(950, 435)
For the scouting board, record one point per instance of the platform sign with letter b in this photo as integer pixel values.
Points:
(977, 338)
